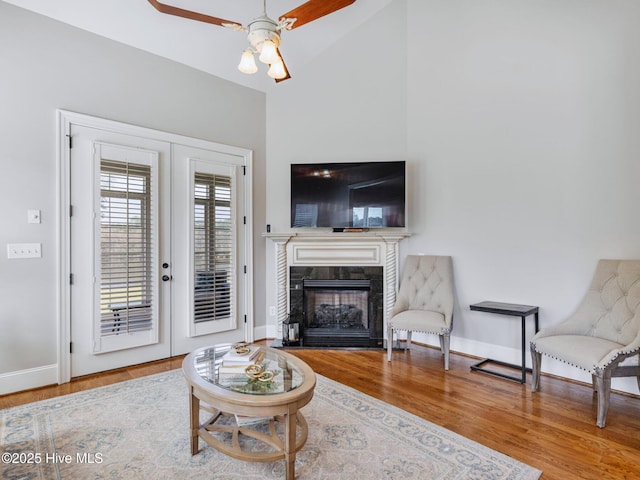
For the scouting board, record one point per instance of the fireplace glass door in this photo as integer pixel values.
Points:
(335, 311)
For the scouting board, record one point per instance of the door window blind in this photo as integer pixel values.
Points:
(126, 248)
(213, 247)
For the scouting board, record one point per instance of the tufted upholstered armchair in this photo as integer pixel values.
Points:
(603, 332)
(424, 302)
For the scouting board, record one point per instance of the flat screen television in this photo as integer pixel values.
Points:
(348, 195)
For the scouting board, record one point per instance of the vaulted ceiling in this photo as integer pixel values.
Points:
(210, 48)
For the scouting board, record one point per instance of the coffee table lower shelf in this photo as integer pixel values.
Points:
(273, 437)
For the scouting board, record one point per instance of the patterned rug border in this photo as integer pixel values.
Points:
(400, 425)
(430, 440)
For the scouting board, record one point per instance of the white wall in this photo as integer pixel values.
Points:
(356, 112)
(518, 120)
(339, 116)
(524, 116)
(521, 121)
(48, 65)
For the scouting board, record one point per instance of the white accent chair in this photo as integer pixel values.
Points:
(424, 302)
(603, 332)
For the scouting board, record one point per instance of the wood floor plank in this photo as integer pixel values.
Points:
(553, 430)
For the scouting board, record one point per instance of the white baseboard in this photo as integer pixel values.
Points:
(31, 378)
(271, 332)
(514, 356)
(260, 333)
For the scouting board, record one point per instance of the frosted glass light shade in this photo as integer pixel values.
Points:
(269, 53)
(276, 70)
(247, 62)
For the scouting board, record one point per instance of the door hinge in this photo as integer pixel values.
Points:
(70, 347)
(244, 219)
(70, 141)
(245, 269)
(71, 210)
(71, 279)
(245, 319)
(244, 170)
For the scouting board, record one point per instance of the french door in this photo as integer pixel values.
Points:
(209, 249)
(158, 247)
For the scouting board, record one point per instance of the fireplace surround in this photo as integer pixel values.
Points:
(327, 262)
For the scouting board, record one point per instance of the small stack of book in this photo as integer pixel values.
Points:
(235, 363)
(244, 421)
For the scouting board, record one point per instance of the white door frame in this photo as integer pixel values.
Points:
(64, 121)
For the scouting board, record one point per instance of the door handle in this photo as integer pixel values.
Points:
(166, 278)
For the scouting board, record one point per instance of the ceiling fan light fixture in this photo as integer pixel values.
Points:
(247, 62)
(263, 32)
(269, 53)
(277, 70)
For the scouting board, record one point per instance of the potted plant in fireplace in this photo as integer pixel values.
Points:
(292, 330)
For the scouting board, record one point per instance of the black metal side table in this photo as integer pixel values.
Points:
(522, 311)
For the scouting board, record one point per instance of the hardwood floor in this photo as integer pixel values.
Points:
(90, 381)
(553, 430)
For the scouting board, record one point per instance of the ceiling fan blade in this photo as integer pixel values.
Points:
(288, 76)
(201, 17)
(314, 9)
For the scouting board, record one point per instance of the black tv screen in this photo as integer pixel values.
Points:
(348, 195)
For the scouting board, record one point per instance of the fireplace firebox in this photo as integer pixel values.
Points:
(338, 306)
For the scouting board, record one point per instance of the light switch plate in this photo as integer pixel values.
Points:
(24, 250)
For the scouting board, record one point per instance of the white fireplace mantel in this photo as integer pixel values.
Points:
(335, 249)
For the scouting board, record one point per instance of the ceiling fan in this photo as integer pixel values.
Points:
(263, 32)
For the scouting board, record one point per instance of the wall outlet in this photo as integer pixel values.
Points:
(24, 250)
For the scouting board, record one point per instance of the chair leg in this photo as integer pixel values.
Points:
(536, 361)
(389, 342)
(603, 384)
(445, 341)
(408, 339)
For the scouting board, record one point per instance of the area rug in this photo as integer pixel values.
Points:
(139, 429)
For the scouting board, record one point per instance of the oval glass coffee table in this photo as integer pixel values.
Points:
(263, 406)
